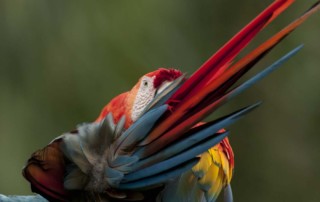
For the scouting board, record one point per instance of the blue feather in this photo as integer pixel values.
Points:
(140, 128)
(160, 178)
(174, 161)
(228, 196)
(236, 91)
(195, 138)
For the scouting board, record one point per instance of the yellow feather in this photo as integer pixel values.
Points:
(202, 167)
(213, 171)
(226, 166)
(216, 187)
(207, 178)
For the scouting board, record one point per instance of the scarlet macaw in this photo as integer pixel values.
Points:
(149, 143)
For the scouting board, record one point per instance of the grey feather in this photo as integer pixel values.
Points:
(75, 180)
(72, 150)
(119, 127)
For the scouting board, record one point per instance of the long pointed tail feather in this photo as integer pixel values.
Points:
(230, 49)
(219, 60)
(213, 90)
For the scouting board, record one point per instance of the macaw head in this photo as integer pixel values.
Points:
(133, 103)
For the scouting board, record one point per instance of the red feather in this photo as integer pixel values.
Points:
(45, 170)
(192, 109)
(192, 91)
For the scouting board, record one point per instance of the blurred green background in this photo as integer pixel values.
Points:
(62, 61)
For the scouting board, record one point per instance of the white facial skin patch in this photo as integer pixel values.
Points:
(144, 96)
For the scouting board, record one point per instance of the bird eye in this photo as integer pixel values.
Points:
(145, 83)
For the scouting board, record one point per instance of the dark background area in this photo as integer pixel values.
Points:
(62, 61)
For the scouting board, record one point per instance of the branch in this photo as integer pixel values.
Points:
(15, 198)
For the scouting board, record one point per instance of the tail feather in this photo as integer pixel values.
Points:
(196, 134)
(191, 120)
(230, 50)
(195, 106)
(225, 55)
